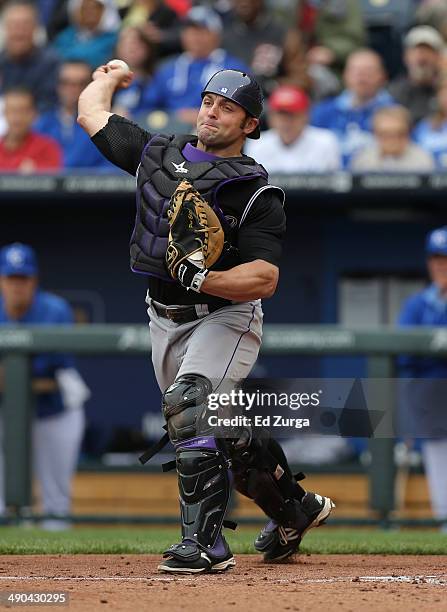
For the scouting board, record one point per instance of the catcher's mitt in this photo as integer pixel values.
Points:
(196, 233)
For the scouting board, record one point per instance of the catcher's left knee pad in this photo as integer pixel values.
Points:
(184, 407)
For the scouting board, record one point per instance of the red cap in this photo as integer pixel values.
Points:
(289, 99)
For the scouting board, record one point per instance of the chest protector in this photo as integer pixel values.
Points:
(162, 166)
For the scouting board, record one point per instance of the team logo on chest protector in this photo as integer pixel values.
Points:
(232, 221)
(180, 168)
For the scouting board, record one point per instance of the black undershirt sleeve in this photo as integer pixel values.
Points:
(122, 142)
(262, 232)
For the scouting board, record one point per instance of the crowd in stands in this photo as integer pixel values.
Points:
(353, 85)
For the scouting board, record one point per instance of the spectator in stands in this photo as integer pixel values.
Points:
(159, 22)
(424, 414)
(177, 85)
(393, 150)
(77, 149)
(46, 10)
(60, 391)
(139, 53)
(57, 20)
(433, 13)
(417, 89)
(333, 31)
(291, 145)
(92, 35)
(349, 115)
(386, 21)
(273, 51)
(22, 62)
(431, 132)
(22, 149)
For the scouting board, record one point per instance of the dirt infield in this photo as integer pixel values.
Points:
(131, 582)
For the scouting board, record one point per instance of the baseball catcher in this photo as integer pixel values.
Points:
(210, 247)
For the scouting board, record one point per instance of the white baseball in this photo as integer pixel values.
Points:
(117, 63)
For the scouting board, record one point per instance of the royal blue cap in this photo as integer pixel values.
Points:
(18, 259)
(436, 243)
(203, 17)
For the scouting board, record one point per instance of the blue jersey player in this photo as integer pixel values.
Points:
(59, 390)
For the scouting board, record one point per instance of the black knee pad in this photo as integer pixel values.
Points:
(184, 407)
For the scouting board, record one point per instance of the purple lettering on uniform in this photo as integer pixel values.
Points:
(199, 442)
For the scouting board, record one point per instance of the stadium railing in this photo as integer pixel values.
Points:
(380, 346)
(91, 182)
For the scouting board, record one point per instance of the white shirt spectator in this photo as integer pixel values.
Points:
(315, 150)
(414, 159)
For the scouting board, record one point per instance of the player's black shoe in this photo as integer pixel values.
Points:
(189, 558)
(277, 543)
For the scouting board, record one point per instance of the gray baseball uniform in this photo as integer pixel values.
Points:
(202, 343)
(224, 339)
(223, 345)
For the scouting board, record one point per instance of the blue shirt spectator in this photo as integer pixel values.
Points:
(92, 35)
(139, 53)
(77, 148)
(22, 63)
(350, 114)
(177, 85)
(433, 138)
(60, 123)
(22, 302)
(431, 132)
(131, 102)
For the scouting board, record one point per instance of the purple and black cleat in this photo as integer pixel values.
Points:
(278, 543)
(190, 558)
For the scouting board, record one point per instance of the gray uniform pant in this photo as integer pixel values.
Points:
(223, 345)
(434, 453)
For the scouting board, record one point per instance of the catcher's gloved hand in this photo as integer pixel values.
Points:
(196, 237)
(191, 275)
